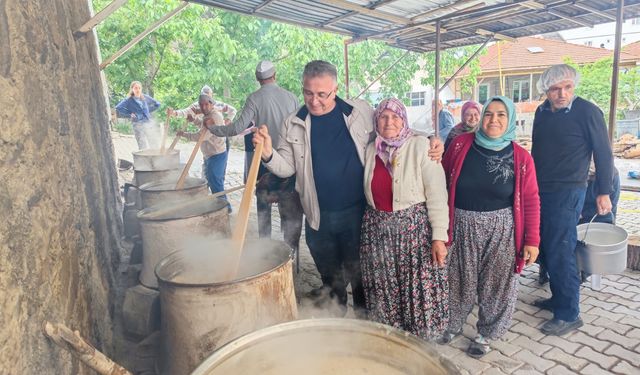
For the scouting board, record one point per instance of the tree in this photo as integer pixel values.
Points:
(595, 85)
(204, 45)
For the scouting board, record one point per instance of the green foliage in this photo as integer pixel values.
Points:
(203, 45)
(595, 85)
(450, 60)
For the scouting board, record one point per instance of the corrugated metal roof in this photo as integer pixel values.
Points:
(410, 24)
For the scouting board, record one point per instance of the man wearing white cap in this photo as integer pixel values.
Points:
(567, 132)
(269, 105)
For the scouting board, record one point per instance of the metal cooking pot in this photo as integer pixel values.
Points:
(154, 160)
(327, 347)
(201, 311)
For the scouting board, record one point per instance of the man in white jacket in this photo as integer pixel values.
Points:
(323, 144)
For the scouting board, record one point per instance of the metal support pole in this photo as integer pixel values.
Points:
(465, 64)
(141, 36)
(101, 16)
(436, 96)
(616, 70)
(382, 74)
(346, 69)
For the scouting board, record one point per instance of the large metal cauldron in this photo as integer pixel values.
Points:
(605, 252)
(164, 233)
(201, 312)
(154, 193)
(154, 160)
(327, 347)
(145, 177)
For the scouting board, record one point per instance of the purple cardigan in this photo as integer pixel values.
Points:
(526, 204)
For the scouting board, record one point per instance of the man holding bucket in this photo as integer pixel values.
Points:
(567, 131)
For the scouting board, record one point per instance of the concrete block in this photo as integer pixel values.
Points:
(141, 311)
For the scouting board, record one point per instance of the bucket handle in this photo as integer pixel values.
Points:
(591, 221)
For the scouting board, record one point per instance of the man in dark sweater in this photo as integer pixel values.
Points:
(567, 132)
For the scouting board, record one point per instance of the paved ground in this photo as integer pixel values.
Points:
(608, 343)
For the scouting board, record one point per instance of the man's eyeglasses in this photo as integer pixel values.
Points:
(321, 95)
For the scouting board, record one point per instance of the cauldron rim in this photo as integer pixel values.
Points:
(221, 284)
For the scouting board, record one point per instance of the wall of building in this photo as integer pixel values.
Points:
(59, 196)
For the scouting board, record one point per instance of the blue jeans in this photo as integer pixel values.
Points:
(335, 248)
(215, 170)
(560, 212)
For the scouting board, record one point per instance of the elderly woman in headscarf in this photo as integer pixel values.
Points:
(494, 213)
(404, 228)
(470, 119)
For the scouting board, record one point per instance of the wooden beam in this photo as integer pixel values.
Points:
(101, 16)
(569, 18)
(496, 35)
(339, 18)
(143, 34)
(264, 4)
(593, 10)
(372, 12)
(616, 70)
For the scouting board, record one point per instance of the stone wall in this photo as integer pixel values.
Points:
(59, 201)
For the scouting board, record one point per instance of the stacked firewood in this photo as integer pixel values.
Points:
(627, 146)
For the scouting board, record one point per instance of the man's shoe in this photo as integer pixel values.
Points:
(557, 327)
(544, 303)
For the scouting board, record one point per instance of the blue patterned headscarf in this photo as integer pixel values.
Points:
(509, 135)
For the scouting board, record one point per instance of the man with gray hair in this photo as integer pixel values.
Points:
(269, 105)
(567, 132)
(323, 145)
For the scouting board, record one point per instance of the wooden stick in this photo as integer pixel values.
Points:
(240, 230)
(62, 336)
(175, 140)
(187, 204)
(164, 135)
(185, 171)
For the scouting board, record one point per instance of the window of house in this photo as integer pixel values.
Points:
(417, 98)
(520, 92)
(588, 43)
(483, 92)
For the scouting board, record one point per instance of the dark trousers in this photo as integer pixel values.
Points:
(335, 248)
(560, 212)
(290, 210)
(215, 170)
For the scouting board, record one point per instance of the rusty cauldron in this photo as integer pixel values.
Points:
(201, 311)
(169, 227)
(327, 347)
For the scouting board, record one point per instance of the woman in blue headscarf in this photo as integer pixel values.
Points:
(494, 216)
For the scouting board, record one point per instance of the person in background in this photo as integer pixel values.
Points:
(445, 119)
(494, 216)
(567, 132)
(404, 229)
(269, 105)
(323, 145)
(469, 121)
(214, 149)
(138, 107)
(228, 111)
(590, 207)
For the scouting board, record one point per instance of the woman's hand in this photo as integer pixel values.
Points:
(530, 254)
(436, 148)
(133, 116)
(438, 253)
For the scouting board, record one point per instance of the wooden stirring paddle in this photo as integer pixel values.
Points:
(185, 171)
(242, 221)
